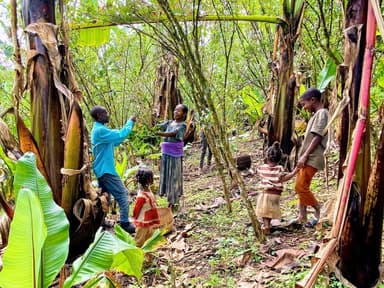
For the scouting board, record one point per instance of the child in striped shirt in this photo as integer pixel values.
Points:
(272, 178)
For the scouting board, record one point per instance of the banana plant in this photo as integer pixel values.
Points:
(39, 234)
(39, 240)
(280, 128)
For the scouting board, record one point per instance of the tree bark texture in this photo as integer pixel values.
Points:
(45, 104)
(360, 242)
(167, 94)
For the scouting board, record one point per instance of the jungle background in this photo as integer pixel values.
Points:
(240, 66)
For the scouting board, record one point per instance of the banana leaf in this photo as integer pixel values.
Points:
(73, 157)
(157, 239)
(124, 236)
(100, 256)
(23, 257)
(327, 74)
(129, 261)
(55, 249)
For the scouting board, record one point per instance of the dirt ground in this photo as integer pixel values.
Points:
(211, 247)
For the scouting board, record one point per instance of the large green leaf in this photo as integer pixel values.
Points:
(96, 259)
(129, 261)
(327, 74)
(94, 36)
(100, 256)
(124, 236)
(55, 249)
(157, 239)
(121, 166)
(28, 232)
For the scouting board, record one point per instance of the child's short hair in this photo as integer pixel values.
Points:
(274, 152)
(95, 112)
(311, 92)
(144, 176)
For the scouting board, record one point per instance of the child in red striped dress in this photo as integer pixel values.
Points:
(272, 175)
(145, 214)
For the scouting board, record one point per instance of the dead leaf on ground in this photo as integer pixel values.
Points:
(284, 258)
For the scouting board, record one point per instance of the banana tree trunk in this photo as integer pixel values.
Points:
(167, 94)
(359, 214)
(280, 127)
(360, 240)
(45, 104)
(58, 136)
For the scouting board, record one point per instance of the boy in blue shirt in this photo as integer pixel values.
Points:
(104, 140)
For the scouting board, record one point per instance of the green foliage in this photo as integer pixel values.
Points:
(54, 250)
(156, 240)
(26, 240)
(326, 75)
(94, 37)
(39, 240)
(144, 142)
(107, 252)
(254, 103)
(122, 164)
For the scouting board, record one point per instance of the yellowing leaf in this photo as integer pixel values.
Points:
(94, 36)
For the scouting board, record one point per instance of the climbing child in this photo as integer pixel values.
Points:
(311, 155)
(272, 175)
(145, 215)
(171, 169)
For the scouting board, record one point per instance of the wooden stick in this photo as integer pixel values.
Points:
(310, 279)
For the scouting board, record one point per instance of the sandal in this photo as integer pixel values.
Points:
(312, 223)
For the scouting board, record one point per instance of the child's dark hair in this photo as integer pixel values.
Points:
(274, 153)
(311, 92)
(144, 176)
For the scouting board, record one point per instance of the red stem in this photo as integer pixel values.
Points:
(361, 122)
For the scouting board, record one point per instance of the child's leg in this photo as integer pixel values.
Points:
(267, 225)
(302, 188)
(204, 145)
(302, 214)
(209, 156)
(317, 211)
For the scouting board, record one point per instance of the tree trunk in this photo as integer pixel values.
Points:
(360, 241)
(280, 126)
(167, 94)
(46, 111)
(58, 126)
